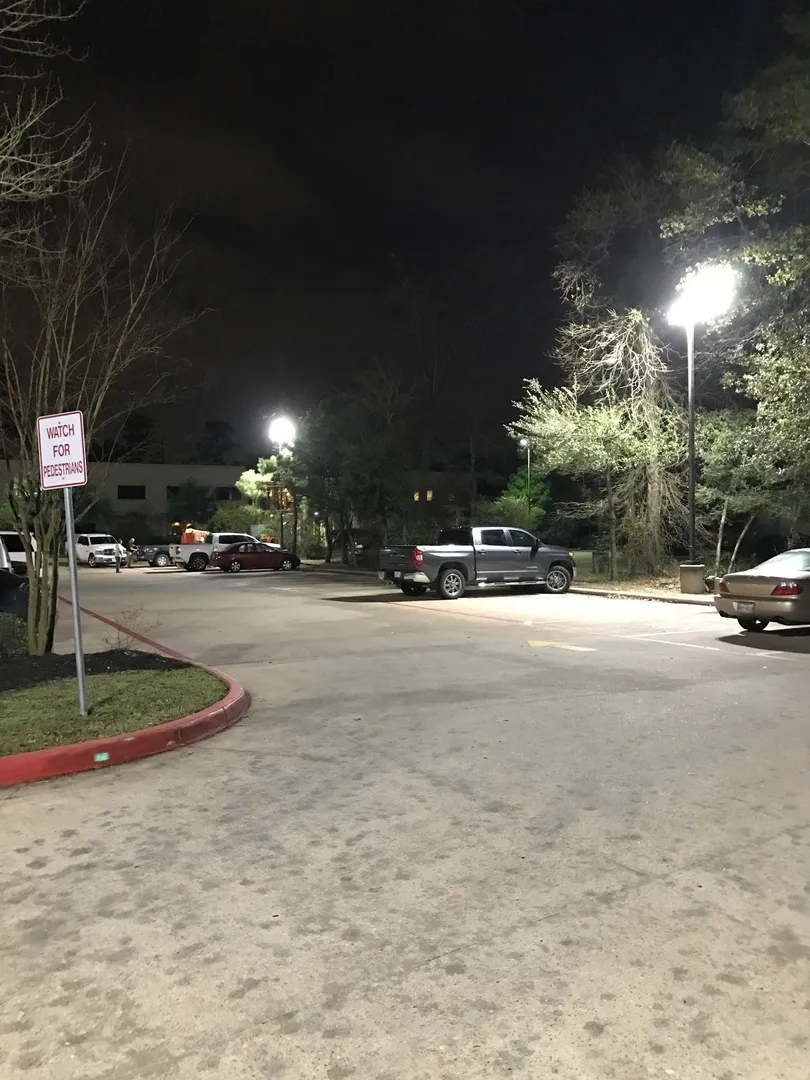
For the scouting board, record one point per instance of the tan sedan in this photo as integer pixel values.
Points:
(775, 591)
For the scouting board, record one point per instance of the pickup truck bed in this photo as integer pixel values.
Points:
(474, 557)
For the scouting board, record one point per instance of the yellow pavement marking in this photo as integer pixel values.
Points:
(559, 645)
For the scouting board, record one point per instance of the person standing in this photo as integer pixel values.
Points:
(132, 552)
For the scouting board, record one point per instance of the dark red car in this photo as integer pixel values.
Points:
(256, 556)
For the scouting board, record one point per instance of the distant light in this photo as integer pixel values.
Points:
(282, 432)
(704, 295)
(524, 443)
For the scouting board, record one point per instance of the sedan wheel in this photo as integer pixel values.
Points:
(558, 580)
(235, 566)
(287, 564)
(753, 626)
(162, 560)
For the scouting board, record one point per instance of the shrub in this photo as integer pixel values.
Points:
(13, 636)
(236, 517)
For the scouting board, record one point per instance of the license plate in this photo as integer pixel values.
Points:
(744, 607)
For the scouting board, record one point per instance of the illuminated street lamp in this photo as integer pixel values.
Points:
(703, 296)
(282, 433)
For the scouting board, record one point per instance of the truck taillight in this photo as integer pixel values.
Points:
(787, 588)
(417, 557)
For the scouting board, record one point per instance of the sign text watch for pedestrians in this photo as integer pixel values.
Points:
(62, 458)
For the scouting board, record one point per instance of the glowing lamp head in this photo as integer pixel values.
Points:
(282, 431)
(704, 295)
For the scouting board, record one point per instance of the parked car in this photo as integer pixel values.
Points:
(254, 555)
(5, 559)
(777, 590)
(488, 555)
(99, 549)
(13, 543)
(13, 594)
(196, 556)
(157, 554)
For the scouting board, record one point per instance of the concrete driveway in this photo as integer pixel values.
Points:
(515, 835)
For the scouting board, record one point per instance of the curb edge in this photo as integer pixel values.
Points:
(102, 753)
(620, 594)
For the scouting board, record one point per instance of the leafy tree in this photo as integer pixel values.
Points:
(743, 200)
(6, 515)
(612, 356)
(137, 440)
(596, 444)
(736, 482)
(192, 503)
(235, 517)
(516, 505)
(217, 443)
(351, 459)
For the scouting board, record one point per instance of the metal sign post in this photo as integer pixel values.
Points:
(74, 600)
(63, 464)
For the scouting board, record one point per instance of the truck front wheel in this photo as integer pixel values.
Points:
(451, 584)
(558, 579)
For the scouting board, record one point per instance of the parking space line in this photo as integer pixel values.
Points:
(559, 645)
(681, 644)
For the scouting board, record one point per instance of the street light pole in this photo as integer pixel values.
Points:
(705, 294)
(690, 377)
(528, 448)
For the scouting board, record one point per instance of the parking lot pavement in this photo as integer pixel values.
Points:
(515, 835)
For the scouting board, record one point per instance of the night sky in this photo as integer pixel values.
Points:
(326, 148)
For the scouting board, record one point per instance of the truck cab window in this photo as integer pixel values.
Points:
(493, 538)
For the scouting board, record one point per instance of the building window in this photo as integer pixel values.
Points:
(227, 494)
(416, 496)
(131, 491)
(429, 496)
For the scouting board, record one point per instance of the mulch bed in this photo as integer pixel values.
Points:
(26, 671)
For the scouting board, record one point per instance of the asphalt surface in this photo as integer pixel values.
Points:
(510, 836)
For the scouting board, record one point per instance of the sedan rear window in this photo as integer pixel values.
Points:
(789, 562)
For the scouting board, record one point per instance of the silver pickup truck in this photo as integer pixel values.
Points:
(472, 557)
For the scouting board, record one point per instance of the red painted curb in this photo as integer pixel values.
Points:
(118, 749)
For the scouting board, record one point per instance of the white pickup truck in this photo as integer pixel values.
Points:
(197, 556)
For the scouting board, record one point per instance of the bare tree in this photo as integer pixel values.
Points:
(85, 317)
(39, 155)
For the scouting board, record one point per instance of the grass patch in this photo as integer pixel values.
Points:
(47, 714)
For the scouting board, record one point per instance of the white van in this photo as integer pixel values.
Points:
(5, 561)
(12, 541)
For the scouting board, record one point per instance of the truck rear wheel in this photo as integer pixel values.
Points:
(197, 562)
(451, 584)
